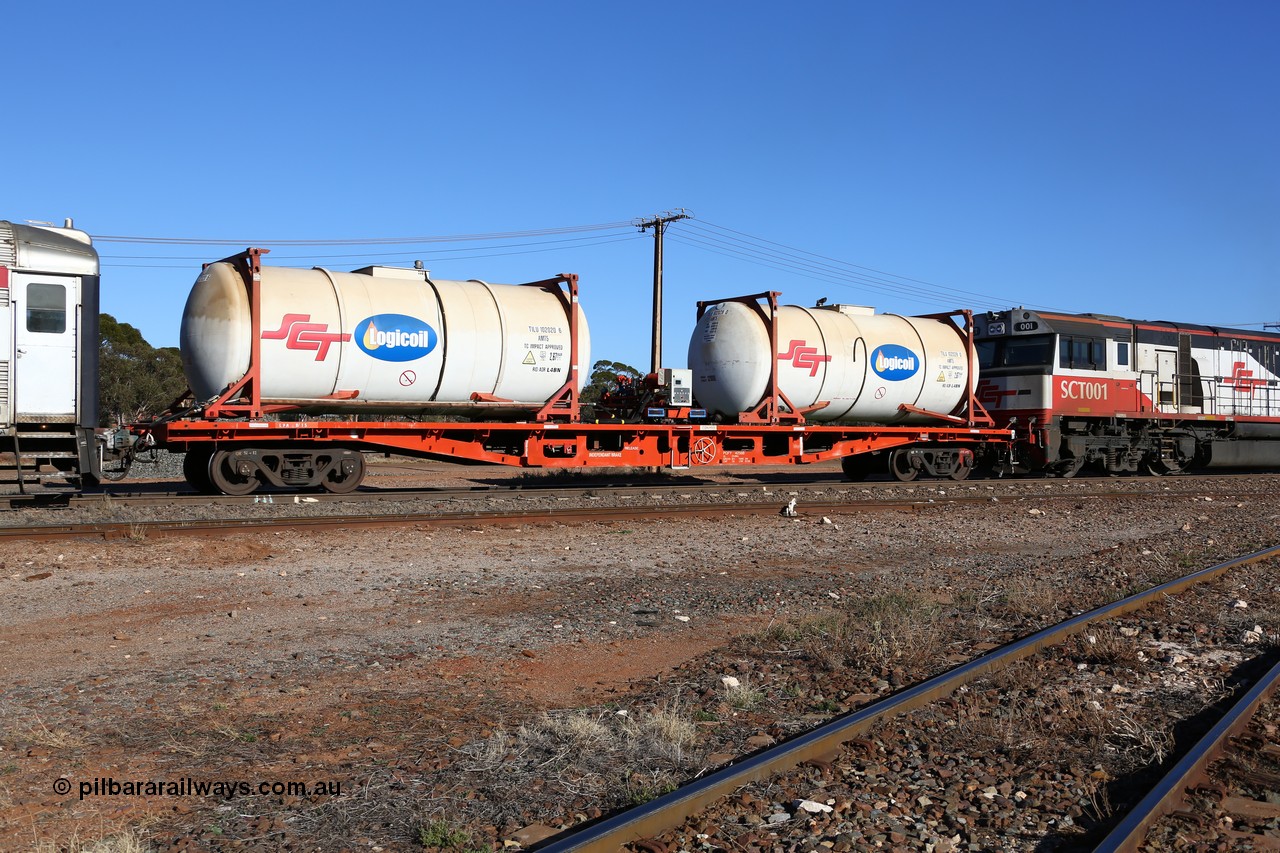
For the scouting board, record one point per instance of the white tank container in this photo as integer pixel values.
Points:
(380, 340)
(864, 365)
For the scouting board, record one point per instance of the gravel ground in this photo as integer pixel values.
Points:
(468, 687)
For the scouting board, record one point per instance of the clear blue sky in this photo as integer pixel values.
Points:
(1114, 157)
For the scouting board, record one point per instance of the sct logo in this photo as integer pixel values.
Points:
(990, 396)
(1243, 379)
(395, 337)
(894, 363)
(298, 332)
(802, 357)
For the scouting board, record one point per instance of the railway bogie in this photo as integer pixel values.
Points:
(243, 470)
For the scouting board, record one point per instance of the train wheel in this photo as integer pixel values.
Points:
(962, 472)
(195, 468)
(226, 479)
(857, 467)
(900, 465)
(1070, 468)
(1161, 466)
(348, 474)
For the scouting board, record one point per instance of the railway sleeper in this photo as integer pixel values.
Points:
(243, 470)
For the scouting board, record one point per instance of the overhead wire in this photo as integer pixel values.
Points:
(376, 257)
(362, 241)
(841, 273)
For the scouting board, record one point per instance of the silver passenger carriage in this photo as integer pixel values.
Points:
(48, 357)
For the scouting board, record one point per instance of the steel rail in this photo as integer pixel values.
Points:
(387, 494)
(143, 529)
(667, 812)
(1168, 794)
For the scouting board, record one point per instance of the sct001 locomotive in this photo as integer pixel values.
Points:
(1129, 395)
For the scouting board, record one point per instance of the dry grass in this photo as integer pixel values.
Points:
(607, 757)
(742, 696)
(894, 630)
(127, 841)
(1106, 645)
(34, 731)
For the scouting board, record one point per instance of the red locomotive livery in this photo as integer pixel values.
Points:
(1129, 395)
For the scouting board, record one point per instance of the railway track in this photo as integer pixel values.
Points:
(645, 826)
(176, 493)
(738, 503)
(1238, 742)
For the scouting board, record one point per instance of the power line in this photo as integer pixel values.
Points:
(374, 260)
(806, 264)
(362, 241)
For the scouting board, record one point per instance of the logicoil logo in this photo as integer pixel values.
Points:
(894, 363)
(395, 337)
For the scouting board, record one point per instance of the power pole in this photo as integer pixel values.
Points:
(659, 225)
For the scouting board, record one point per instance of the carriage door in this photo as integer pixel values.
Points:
(44, 337)
(1166, 367)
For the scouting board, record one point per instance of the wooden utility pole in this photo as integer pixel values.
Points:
(659, 225)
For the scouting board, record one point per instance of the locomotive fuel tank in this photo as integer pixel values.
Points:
(380, 340)
(863, 365)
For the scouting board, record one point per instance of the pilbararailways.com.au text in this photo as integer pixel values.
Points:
(225, 789)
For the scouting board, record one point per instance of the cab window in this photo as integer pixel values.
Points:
(1029, 351)
(1082, 353)
(46, 308)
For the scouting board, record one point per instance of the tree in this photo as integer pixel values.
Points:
(604, 377)
(135, 379)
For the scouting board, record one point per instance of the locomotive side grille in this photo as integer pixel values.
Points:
(4, 296)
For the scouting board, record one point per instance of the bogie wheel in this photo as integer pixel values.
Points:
(900, 466)
(195, 468)
(1070, 468)
(226, 479)
(1160, 466)
(857, 467)
(962, 472)
(346, 476)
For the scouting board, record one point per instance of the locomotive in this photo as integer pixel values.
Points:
(296, 374)
(1127, 395)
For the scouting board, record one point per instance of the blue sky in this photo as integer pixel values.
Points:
(1113, 157)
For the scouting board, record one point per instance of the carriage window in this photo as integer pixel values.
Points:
(1122, 354)
(46, 308)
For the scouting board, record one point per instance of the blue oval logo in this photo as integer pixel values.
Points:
(894, 363)
(395, 337)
